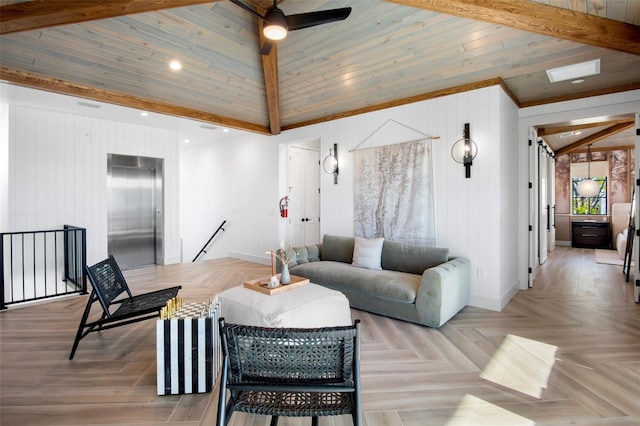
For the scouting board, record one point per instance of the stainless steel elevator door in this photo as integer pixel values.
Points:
(132, 211)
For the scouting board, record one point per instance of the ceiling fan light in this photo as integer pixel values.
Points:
(274, 32)
(588, 188)
(275, 25)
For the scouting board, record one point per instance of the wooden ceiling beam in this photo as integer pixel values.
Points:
(33, 15)
(543, 131)
(542, 19)
(22, 78)
(271, 81)
(617, 128)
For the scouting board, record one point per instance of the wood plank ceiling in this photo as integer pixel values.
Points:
(386, 53)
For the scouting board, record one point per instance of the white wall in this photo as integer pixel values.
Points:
(234, 180)
(509, 225)
(4, 166)
(58, 168)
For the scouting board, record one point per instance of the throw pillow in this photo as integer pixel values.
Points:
(367, 253)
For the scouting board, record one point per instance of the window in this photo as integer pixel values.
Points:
(591, 205)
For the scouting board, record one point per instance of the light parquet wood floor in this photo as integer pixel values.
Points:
(566, 352)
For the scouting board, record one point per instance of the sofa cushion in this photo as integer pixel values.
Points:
(390, 285)
(411, 258)
(305, 254)
(367, 253)
(338, 249)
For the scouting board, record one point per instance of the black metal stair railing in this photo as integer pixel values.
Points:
(38, 265)
(203, 249)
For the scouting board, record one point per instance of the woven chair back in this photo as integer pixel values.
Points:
(107, 281)
(290, 356)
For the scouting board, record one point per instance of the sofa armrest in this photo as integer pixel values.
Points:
(444, 290)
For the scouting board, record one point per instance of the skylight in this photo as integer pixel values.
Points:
(575, 71)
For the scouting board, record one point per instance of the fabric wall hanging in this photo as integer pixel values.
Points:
(393, 192)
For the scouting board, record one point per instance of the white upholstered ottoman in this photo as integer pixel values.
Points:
(308, 306)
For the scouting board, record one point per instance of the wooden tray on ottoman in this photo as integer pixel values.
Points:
(262, 288)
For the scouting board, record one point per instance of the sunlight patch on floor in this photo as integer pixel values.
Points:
(474, 411)
(521, 364)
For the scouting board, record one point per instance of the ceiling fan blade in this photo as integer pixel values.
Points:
(311, 19)
(266, 47)
(247, 8)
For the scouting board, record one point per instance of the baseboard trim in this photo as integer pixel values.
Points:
(250, 257)
(495, 304)
(484, 303)
(170, 260)
(515, 288)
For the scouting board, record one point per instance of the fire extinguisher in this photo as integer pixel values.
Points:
(284, 207)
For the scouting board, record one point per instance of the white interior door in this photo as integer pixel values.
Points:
(533, 206)
(303, 179)
(311, 219)
(543, 205)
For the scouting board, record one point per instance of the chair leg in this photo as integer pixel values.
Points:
(314, 421)
(83, 322)
(223, 417)
(274, 421)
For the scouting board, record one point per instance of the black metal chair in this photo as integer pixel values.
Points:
(290, 372)
(108, 283)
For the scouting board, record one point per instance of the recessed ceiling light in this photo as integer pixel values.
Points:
(144, 114)
(225, 130)
(578, 81)
(187, 141)
(175, 65)
(575, 71)
(89, 105)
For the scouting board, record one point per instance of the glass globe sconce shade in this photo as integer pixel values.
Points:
(275, 25)
(464, 151)
(330, 163)
(588, 188)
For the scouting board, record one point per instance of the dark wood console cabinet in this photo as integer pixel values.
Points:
(590, 234)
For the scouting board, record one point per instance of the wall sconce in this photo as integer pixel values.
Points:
(330, 163)
(465, 150)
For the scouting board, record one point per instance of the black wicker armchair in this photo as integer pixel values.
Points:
(290, 372)
(108, 283)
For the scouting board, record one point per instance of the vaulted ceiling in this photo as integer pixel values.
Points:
(385, 53)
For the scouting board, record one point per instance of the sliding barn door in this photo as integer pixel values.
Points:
(543, 205)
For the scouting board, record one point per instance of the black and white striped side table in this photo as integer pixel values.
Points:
(188, 349)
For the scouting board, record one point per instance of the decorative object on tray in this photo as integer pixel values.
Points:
(274, 282)
(283, 254)
(262, 284)
(285, 277)
(173, 305)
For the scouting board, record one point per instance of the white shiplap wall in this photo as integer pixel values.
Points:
(58, 169)
(4, 166)
(475, 218)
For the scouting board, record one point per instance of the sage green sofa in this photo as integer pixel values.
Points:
(416, 284)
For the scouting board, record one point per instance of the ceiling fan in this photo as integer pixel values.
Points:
(277, 24)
